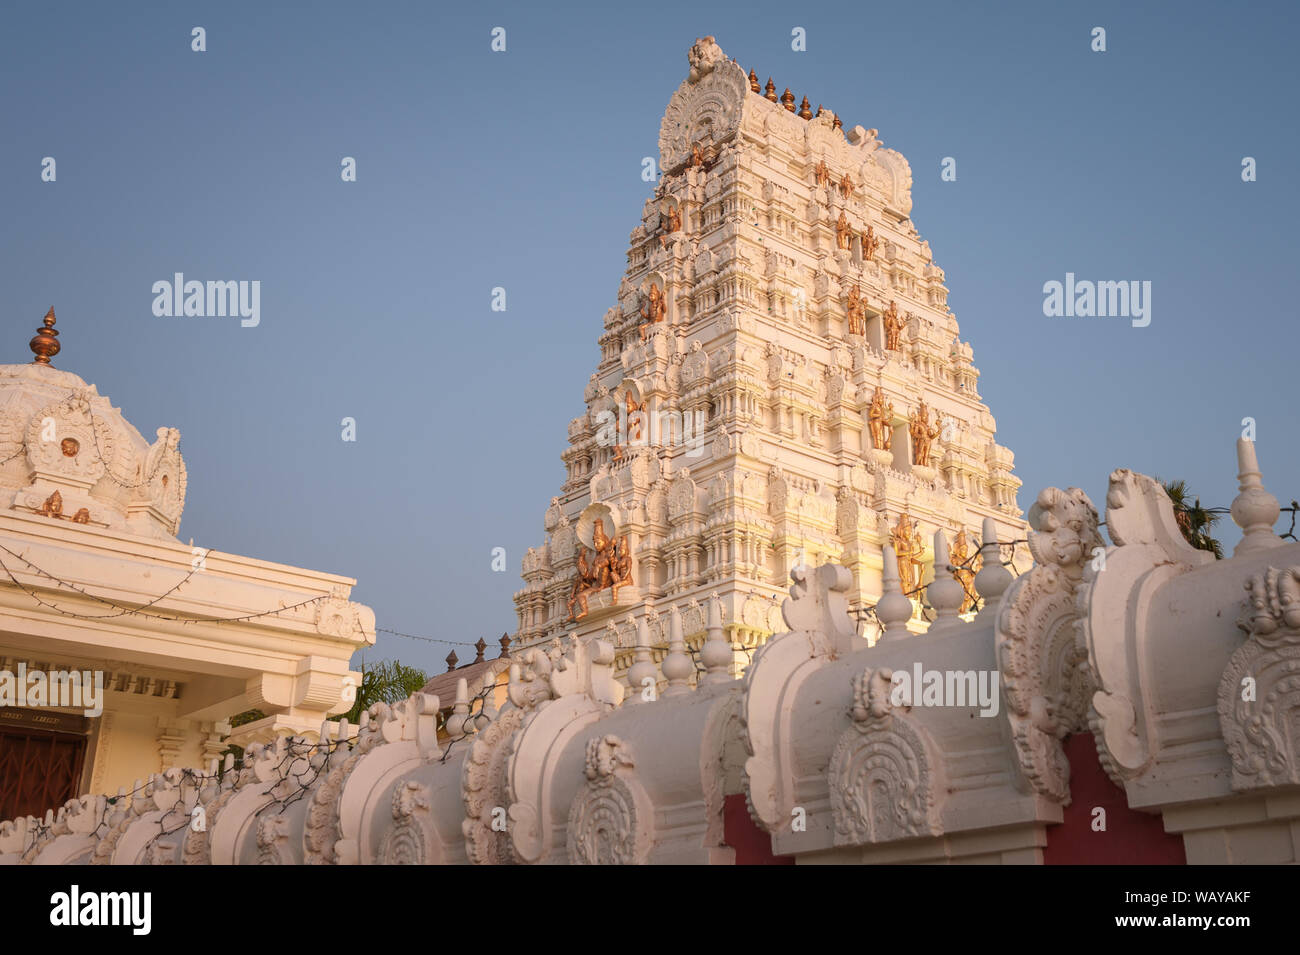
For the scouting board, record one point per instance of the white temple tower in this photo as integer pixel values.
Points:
(753, 330)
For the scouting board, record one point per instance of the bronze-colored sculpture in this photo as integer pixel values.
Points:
(697, 155)
(70, 447)
(880, 421)
(672, 220)
(654, 308)
(822, 172)
(843, 234)
(82, 516)
(53, 506)
(771, 90)
(605, 565)
(805, 110)
(894, 325)
(857, 310)
(965, 574)
(787, 100)
(922, 434)
(869, 244)
(753, 82)
(846, 186)
(909, 548)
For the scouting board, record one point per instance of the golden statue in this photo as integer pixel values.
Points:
(909, 548)
(843, 234)
(673, 220)
(857, 309)
(879, 421)
(53, 506)
(621, 575)
(82, 516)
(894, 325)
(869, 244)
(822, 172)
(633, 434)
(697, 155)
(922, 434)
(654, 307)
(605, 565)
(846, 186)
(963, 571)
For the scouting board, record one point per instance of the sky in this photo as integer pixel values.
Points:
(521, 170)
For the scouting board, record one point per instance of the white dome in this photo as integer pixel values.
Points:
(67, 454)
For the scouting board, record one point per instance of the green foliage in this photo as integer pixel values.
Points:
(387, 681)
(1194, 521)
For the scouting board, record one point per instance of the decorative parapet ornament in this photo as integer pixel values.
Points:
(706, 109)
(1045, 679)
(1259, 693)
(883, 776)
(611, 821)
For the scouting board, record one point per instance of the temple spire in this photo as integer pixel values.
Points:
(46, 343)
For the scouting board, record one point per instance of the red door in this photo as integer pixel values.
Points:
(39, 770)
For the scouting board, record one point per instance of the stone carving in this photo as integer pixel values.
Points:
(1259, 692)
(610, 821)
(882, 778)
(1045, 680)
(708, 104)
(409, 841)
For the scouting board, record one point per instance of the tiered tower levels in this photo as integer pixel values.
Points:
(756, 304)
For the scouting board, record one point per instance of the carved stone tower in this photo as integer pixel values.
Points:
(780, 383)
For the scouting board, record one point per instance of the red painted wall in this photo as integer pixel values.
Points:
(753, 846)
(1131, 837)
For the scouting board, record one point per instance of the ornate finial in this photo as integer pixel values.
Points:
(771, 90)
(805, 111)
(480, 646)
(819, 109)
(753, 82)
(505, 644)
(893, 610)
(46, 343)
(1254, 509)
(452, 660)
(787, 100)
(836, 123)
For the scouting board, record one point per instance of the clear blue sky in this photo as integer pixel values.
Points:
(522, 169)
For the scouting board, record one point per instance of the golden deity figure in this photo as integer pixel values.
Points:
(880, 421)
(53, 506)
(907, 543)
(672, 220)
(894, 325)
(923, 434)
(633, 409)
(869, 244)
(822, 172)
(846, 186)
(654, 308)
(621, 571)
(964, 569)
(697, 155)
(607, 564)
(857, 310)
(843, 234)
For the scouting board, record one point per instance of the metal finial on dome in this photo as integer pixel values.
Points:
(771, 90)
(46, 343)
(753, 82)
(805, 111)
(787, 100)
